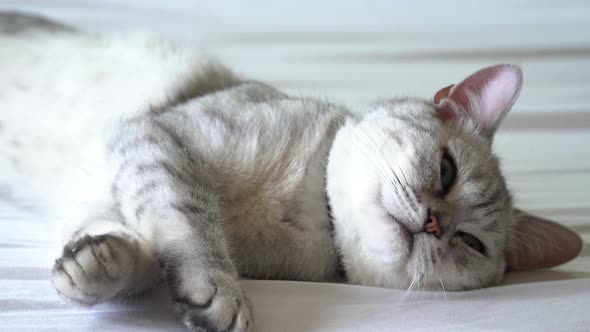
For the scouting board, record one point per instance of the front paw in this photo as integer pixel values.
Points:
(93, 269)
(214, 304)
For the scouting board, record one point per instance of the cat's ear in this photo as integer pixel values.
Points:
(485, 96)
(540, 243)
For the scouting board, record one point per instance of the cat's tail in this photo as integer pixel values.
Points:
(60, 90)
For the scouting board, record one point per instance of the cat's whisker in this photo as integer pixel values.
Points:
(415, 204)
(409, 194)
(511, 236)
(521, 241)
(366, 155)
(422, 273)
(381, 155)
(411, 287)
(422, 282)
(441, 283)
(410, 206)
(530, 241)
(454, 266)
(381, 171)
(537, 239)
(413, 196)
(417, 281)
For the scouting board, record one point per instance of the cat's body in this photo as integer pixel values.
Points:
(230, 177)
(268, 169)
(215, 187)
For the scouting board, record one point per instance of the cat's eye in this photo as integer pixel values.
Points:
(448, 171)
(472, 242)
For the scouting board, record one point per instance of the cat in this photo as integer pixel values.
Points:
(226, 178)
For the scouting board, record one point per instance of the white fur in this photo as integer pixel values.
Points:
(84, 83)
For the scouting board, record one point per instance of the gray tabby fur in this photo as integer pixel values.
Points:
(228, 178)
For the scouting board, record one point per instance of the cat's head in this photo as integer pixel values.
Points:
(418, 197)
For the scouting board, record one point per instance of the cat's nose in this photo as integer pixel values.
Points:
(432, 225)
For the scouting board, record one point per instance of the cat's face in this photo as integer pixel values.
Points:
(415, 168)
(417, 194)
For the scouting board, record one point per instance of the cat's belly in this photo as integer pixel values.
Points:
(292, 240)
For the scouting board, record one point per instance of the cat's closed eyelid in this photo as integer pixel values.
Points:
(460, 241)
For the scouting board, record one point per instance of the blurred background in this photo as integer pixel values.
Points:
(356, 50)
(353, 52)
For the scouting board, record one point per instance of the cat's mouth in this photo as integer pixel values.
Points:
(408, 226)
(406, 232)
(407, 235)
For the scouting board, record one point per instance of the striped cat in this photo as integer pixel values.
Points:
(223, 178)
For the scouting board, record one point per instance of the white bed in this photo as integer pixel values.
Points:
(353, 52)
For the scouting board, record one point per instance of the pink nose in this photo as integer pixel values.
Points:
(432, 226)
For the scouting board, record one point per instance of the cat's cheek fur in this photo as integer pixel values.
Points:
(372, 249)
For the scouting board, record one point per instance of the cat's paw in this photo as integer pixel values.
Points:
(94, 269)
(216, 305)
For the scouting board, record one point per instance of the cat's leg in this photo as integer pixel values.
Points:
(167, 193)
(103, 260)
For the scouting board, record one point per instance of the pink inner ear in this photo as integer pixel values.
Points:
(541, 243)
(499, 94)
(486, 96)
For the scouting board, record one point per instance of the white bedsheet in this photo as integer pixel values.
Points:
(354, 52)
